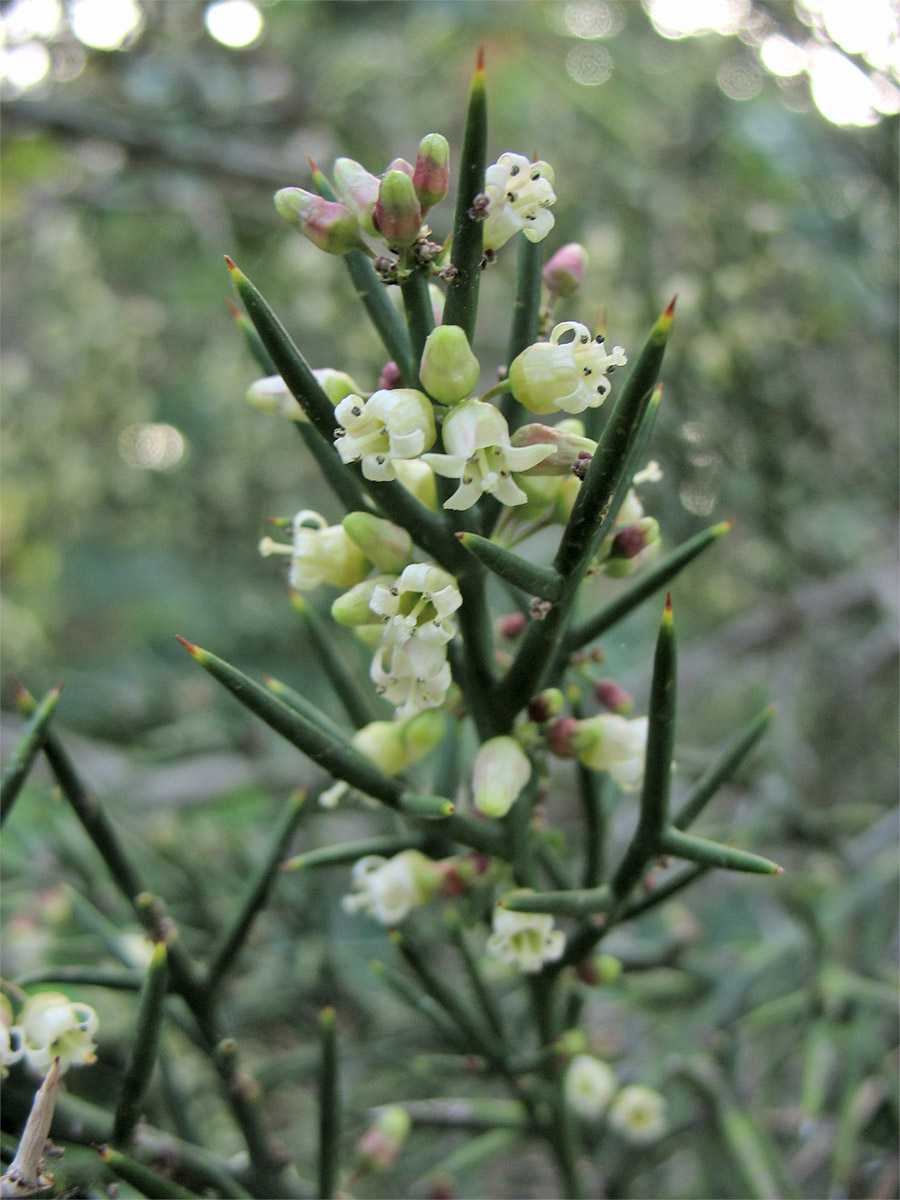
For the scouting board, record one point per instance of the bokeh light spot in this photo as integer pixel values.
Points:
(592, 19)
(105, 24)
(151, 447)
(234, 23)
(589, 64)
(22, 67)
(739, 78)
(782, 57)
(686, 18)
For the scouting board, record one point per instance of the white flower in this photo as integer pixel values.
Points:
(519, 196)
(321, 553)
(568, 375)
(387, 888)
(526, 939)
(390, 424)
(639, 1114)
(12, 1046)
(481, 457)
(53, 1026)
(417, 606)
(501, 770)
(589, 1086)
(614, 744)
(412, 685)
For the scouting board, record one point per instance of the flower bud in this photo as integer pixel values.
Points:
(387, 545)
(271, 395)
(599, 970)
(569, 446)
(328, 224)
(352, 608)
(560, 737)
(379, 1145)
(431, 177)
(322, 553)
(632, 546)
(400, 164)
(358, 189)
(390, 378)
(546, 706)
(615, 744)
(639, 1114)
(449, 370)
(418, 479)
(335, 384)
(613, 696)
(501, 770)
(589, 1086)
(563, 275)
(398, 214)
(512, 625)
(395, 746)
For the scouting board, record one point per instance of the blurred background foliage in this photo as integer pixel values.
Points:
(740, 154)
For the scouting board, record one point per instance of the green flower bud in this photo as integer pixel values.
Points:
(449, 370)
(387, 545)
(352, 608)
(328, 224)
(398, 214)
(502, 768)
(431, 177)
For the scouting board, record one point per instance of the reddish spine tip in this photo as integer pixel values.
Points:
(671, 309)
(779, 870)
(234, 310)
(189, 646)
(229, 262)
(479, 62)
(460, 534)
(668, 608)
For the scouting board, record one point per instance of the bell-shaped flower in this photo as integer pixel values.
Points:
(320, 553)
(387, 888)
(638, 1113)
(481, 456)
(358, 189)
(328, 224)
(417, 606)
(501, 770)
(271, 394)
(449, 370)
(615, 744)
(567, 373)
(589, 1086)
(519, 194)
(53, 1026)
(390, 424)
(412, 676)
(527, 940)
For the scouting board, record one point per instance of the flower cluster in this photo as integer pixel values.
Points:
(592, 1091)
(49, 1026)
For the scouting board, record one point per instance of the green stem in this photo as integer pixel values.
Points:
(722, 769)
(355, 700)
(27, 748)
(419, 313)
(349, 852)
(142, 1058)
(329, 1107)
(520, 572)
(462, 294)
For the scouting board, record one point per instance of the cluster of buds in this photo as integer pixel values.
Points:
(635, 1112)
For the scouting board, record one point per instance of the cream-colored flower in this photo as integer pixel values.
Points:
(391, 424)
(411, 684)
(417, 606)
(53, 1026)
(481, 456)
(387, 888)
(567, 373)
(639, 1114)
(589, 1086)
(320, 553)
(614, 744)
(519, 194)
(501, 770)
(527, 940)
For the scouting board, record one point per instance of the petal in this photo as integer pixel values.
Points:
(451, 466)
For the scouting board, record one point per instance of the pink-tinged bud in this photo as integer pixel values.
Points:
(379, 1145)
(431, 177)
(400, 164)
(632, 546)
(564, 273)
(390, 378)
(571, 446)
(387, 545)
(546, 706)
(512, 625)
(560, 737)
(358, 189)
(328, 224)
(449, 370)
(398, 214)
(613, 697)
